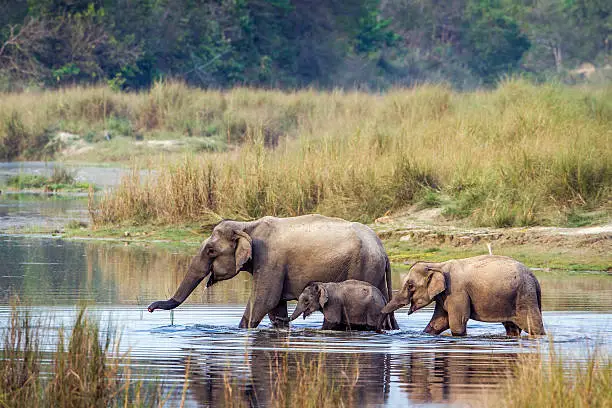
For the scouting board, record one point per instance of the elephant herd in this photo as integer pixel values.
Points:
(341, 269)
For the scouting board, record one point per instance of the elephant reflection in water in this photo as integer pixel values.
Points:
(363, 378)
(446, 377)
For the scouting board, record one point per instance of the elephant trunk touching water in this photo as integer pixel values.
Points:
(284, 255)
(199, 269)
(201, 266)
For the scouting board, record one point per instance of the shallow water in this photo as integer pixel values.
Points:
(41, 211)
(49, 211)
(402, 367)
(100, 176)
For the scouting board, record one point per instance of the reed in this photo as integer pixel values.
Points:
(521, 154)
(518, 155)
(549, 381)
(297, 381)
(86, 368)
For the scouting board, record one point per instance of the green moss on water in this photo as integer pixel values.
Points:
(53, 183)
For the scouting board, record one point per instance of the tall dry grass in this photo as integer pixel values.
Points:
(548, 381)
(517, 155)
(86, 369)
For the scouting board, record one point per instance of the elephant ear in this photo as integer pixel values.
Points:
(323, 297)
(244, 248)
(435, 283)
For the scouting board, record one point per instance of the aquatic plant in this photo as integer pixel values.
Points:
(60, 179)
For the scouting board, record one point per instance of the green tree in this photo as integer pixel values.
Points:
(494, 39)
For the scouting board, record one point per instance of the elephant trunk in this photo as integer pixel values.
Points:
(393, 305)
(299, 309)
(198, 270)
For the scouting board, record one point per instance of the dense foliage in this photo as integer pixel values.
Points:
(288, 43)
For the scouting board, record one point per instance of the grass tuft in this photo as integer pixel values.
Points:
(60, 179)
(86, 368)
(548, 381)
(297, 381)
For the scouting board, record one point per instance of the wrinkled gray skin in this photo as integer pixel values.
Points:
(284, 255)
(348, 305)
(485, 288)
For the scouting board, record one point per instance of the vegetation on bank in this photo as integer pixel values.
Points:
(548, 381)
(60, 179)
(185, 238)
(86, 368)
(516, 156)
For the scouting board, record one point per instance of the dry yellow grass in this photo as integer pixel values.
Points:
(549, 381)
(518, 155)
(86, 368)
(298, 382)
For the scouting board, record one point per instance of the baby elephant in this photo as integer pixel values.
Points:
(484, 288)
(347, 305)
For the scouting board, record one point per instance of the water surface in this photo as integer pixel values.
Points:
(402, 367)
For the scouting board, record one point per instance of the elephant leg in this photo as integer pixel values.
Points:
(392, 322)
(458, 315)
(531, 322)
(253, 315)
(279, 316)
(246, 317)
(512, 329)
(327, 325)
(263, 300)
(439, 321)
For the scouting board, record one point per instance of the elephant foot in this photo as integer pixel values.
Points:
(512, 329)
(280, 322)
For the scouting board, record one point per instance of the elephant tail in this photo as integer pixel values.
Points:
(388, 278)
(539, 294)
(391, 322)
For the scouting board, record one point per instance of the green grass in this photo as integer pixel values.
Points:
(532, 255)
(60, 180)
(189, 236)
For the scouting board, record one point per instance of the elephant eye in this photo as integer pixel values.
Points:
(210, 251)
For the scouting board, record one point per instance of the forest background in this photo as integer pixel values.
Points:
(289, 44)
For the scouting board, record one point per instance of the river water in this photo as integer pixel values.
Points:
(399, 368)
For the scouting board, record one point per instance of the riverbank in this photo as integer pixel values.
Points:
(574, 249)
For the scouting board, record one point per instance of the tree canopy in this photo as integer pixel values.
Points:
(289, 44)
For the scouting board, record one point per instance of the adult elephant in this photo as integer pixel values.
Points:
(284, 255)
(486, 288)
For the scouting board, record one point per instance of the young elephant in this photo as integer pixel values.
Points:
(347, 305)
(484, 288)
